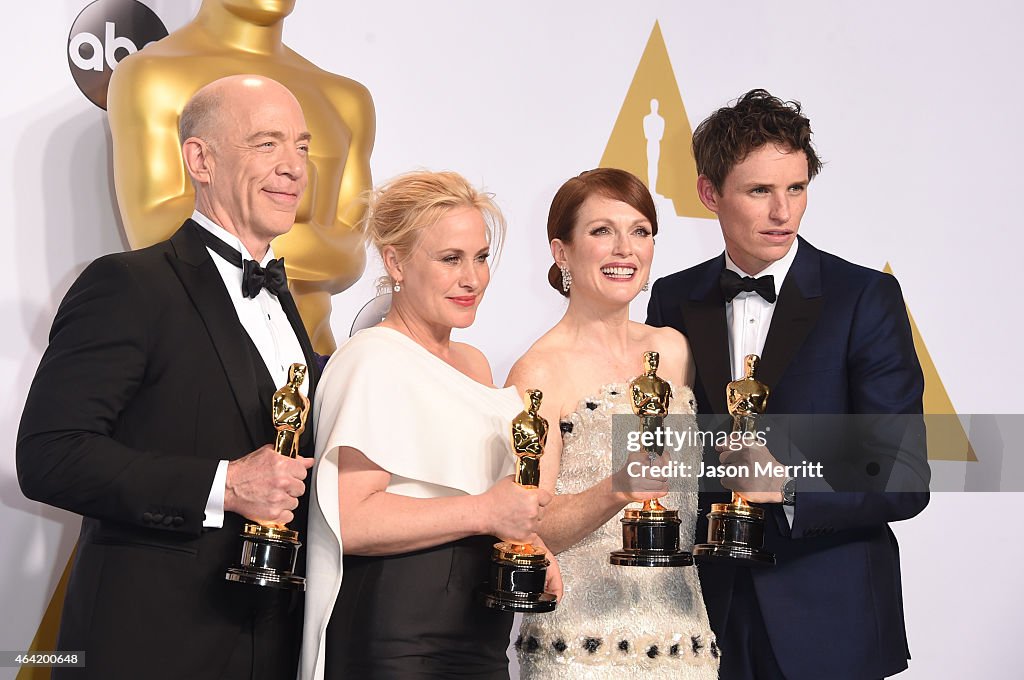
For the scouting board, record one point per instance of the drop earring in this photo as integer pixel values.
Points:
(566, 279)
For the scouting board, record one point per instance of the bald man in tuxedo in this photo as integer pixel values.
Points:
(150, 412)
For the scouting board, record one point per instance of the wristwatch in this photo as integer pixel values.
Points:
(789, 492)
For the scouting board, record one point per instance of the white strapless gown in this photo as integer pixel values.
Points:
(620, 622)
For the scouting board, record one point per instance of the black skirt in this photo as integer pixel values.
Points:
(414, 616)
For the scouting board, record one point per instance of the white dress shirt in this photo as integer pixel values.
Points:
(265, 322)
(749, 317)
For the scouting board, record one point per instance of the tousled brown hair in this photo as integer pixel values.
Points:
(731, 133)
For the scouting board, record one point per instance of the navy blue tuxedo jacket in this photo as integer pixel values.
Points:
(839, 343)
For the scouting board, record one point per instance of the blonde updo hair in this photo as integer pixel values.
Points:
(400, 209)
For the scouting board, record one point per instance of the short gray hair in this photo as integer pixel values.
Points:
(199, 115)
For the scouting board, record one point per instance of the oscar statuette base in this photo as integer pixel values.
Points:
(735, 534)
(650, 538)
(268, 558)
(517, 580)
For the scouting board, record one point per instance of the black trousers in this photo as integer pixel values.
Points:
(268, 644)
(746, 650)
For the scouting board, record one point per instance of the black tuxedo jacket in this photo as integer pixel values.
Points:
(839, 343)
(148, 381)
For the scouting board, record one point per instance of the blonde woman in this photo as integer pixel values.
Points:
(413, 459)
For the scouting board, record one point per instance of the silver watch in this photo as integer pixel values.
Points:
(789, 492)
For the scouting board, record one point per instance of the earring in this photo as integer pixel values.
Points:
(647, 286)
(566, 279)
(397, 287)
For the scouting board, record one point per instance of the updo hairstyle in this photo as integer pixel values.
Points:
(400, 209)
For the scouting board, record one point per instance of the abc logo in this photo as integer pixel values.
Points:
(104, 33)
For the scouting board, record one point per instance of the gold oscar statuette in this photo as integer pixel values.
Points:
(650, 534)
(518, 570)
(269, 550)
(736, 529)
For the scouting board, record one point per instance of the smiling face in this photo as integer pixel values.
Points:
(250, 168)
(444, 277)
(760, 205)
(610, 253)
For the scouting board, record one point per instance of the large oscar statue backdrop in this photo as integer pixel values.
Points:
(323, 253)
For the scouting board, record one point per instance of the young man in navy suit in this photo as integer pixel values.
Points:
(834, 338)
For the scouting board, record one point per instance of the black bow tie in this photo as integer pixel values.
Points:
(272, 277)
(254, 277)
(733, 284)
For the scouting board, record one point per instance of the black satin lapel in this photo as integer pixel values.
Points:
(292, 312)
(312, 365)
(793, 319)
(205, 287)
(709, 343)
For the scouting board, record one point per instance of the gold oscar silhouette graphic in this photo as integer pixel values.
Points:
(269, 551)
(518, 570)
(650, 534)
(736, 529)
(148, 90)
(652, 137)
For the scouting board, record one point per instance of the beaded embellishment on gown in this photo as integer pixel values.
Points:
(619, 622)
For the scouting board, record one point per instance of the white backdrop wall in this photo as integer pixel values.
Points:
(914, 107)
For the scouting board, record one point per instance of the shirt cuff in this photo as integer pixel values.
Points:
(214, 518)
(790, 512)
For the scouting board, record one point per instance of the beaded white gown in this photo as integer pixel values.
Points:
(620, 622)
